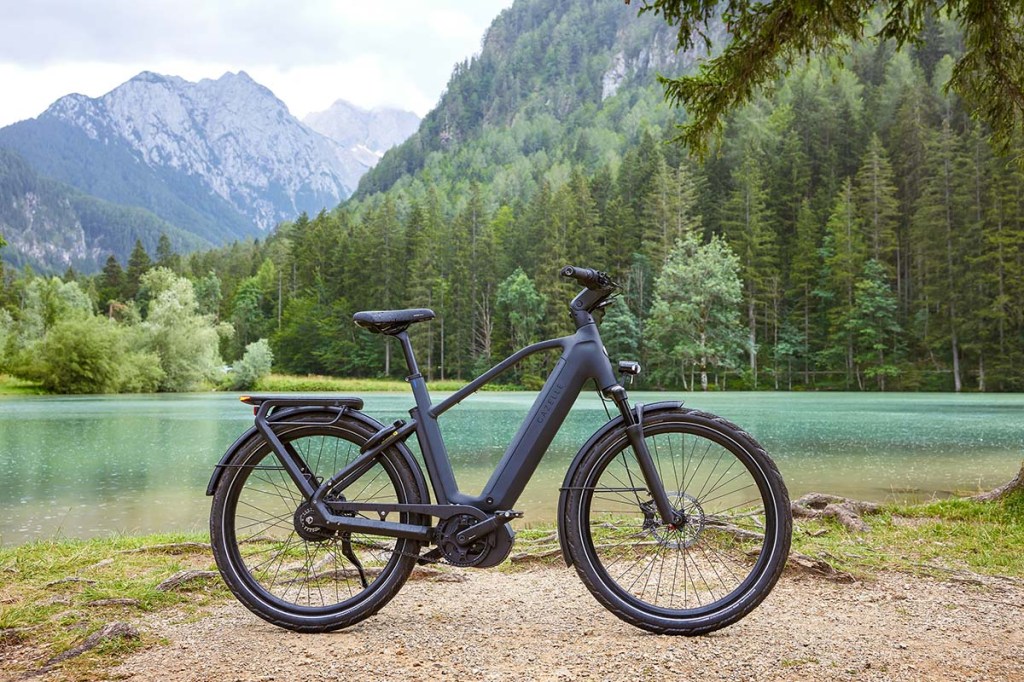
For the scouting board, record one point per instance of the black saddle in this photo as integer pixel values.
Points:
(391, 321)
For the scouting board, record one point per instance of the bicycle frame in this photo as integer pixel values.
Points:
(583, 359)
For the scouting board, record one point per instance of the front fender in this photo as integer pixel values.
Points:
(371, 423)
(563, 495)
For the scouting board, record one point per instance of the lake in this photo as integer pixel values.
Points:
(99, 465)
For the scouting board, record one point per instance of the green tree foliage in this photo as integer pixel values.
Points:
(521, 307)
(92, 355)
(523, 170)
(185, 341)
(139, 263)
(620, 332)
(110, 285)
(768, 38)
(873, 325)
(695, 318)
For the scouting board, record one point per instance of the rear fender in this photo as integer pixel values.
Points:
(563, 495)
(371, 423)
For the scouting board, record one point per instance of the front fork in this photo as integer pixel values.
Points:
(635, 433)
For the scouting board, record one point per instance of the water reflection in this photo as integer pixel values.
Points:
(80, 467)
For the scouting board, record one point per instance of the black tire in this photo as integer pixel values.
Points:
(704, 575)
(308, 584)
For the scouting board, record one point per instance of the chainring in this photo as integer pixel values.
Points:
(490, 550)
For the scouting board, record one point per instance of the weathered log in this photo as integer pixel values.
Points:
(70, 580)
(114, 601)
(844, 510)
(1002, 491)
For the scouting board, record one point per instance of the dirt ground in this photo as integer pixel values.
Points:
(542, 624)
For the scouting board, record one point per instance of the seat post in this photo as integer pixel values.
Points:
(410, 359)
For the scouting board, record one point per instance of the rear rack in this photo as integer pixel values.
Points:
(263, 406)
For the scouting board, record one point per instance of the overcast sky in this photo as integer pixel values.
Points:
(309, 52)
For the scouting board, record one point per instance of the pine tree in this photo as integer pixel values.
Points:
(804, 278)
(139, 264)
(877, 206)
(748, 229)
(111, 283)
(873, 326)
(846, 255)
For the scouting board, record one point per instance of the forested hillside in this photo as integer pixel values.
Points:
(52, 226)
(854, 230)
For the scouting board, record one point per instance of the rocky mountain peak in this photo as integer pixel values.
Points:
(232, 133)
(372, 131)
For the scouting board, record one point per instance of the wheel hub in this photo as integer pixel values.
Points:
(305, 521)
(687, 532)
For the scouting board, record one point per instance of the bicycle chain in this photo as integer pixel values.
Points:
(420, 558)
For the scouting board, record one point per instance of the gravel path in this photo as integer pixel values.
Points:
(542, 624)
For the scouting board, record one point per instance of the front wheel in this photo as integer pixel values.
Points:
(703, 574)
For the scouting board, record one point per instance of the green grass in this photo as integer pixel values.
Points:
(289, 383)
(49, 590)
(936, 538)
(14, 386)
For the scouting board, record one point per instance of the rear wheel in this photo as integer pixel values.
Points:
(707, 572)
(289, 572)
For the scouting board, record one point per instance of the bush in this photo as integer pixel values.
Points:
(81, 356)
(253, 366)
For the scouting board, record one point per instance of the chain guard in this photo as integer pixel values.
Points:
(485, 552)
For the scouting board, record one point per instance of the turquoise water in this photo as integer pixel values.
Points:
(88, 466)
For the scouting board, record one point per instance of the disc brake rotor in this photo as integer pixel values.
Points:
(681, 536)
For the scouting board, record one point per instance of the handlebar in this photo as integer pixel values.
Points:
(591, 279)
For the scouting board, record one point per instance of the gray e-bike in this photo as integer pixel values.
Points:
(676, 520)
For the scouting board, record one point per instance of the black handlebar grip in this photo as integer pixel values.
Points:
(591, 279)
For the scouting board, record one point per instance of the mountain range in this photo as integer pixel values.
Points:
(204, 163)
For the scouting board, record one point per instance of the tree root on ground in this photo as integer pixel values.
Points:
(1002, 491)
(844, 510)
(820, 568)
(108, 632)
(182, 577)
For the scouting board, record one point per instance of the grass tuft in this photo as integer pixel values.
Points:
(939, 537)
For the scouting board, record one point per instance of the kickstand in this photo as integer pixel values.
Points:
(346, 549)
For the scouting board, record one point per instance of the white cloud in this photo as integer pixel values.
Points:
(310, 53)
